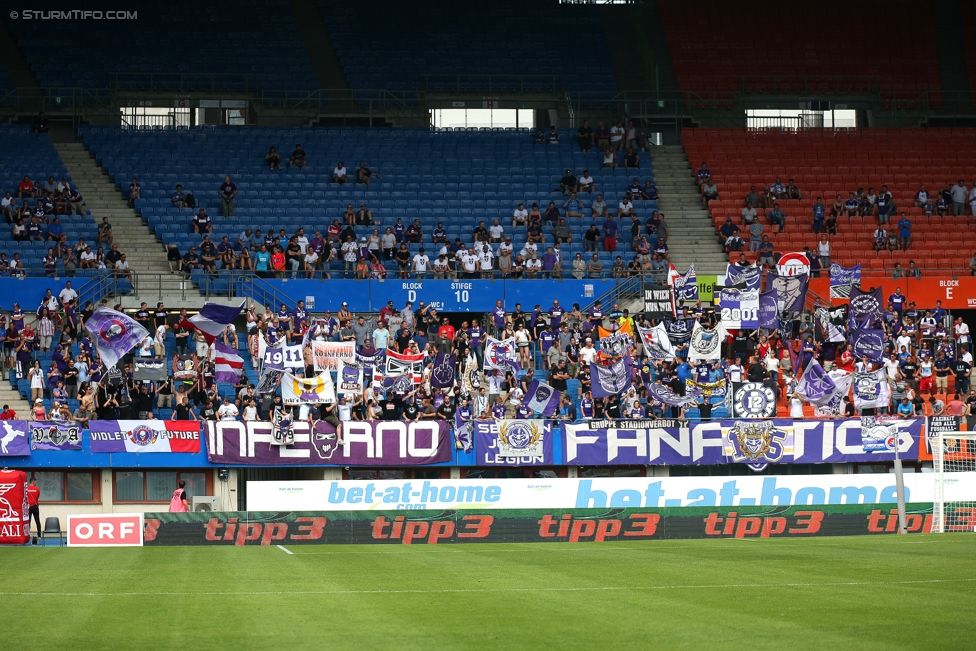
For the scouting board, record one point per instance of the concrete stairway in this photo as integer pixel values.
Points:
(692, 234)
(10, 396)
(319, 46)
(146, 256)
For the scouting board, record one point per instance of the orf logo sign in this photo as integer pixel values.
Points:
(105, 530)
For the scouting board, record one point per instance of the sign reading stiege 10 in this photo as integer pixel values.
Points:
(105, 530)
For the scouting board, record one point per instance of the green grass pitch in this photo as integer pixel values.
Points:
(884, 592)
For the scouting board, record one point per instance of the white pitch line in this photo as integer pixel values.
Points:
(285, 549)
(487, 590)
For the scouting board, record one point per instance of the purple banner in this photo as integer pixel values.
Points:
(48, 435)
(486, 446)
(753, 442)
(15, 438)
(366, 443)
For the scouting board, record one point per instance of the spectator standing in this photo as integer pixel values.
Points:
(959, 195)
(227, 193)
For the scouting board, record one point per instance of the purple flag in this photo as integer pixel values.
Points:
(666, 396)
(114, 334)
(865, 305)
(610, 380)
(15, 438)
(768, 318)
(213, 318)
(542, 398)
(443, 374)
(868, 342)
(791, 291)
(47, 435)
(815, 386)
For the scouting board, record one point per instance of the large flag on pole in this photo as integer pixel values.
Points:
(114, 334)
(816, 387)
(212, 319)
(657, 343)
(227, 363)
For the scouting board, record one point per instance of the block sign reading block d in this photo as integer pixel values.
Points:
(105, 530)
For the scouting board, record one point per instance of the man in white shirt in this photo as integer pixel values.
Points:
(228, 410)
(496, 232)
(520, 215)
(160, 340)
(625, 208)
(122, 268)
(586, 182)
(441, 266)
(506, 247)
(339, 174)
(588, 352)
(599, 207)
(420, 264)
(530, 250)
(469, 262)
(88, 258)
(532, 267)
(617, 136)
(487, 260)
(972, 198)
(67, 294)
(302, 240)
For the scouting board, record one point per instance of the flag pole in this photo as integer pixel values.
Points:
(900, 487)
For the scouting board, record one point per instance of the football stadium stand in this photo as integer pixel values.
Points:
(183, 45)
(442, 45)
(827, 164)
(457, 178)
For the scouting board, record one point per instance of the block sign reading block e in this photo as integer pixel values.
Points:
(105, 530)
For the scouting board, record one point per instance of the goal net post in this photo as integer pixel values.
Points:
(954, 468)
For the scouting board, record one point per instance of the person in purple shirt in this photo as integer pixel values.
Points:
(897, 300)
(440, 233)
(50, 263)
(522, 412)
(549, 261)
(498, 411)
(476, 335)
(556, 314)
(299, 316)
(399, 229)
(610, 234)
(498, 315)
(224, 245)
(596, 314)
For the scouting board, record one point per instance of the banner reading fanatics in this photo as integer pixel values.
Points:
(144, 435)
(752, 442)
(365, 443)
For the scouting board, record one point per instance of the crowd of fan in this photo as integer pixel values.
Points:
(889, 235)
(555, 344)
